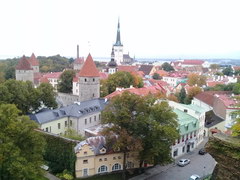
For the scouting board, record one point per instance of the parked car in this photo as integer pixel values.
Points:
(202, 151)
(183, 162)
(194, 177)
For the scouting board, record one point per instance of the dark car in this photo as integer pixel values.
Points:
(202, 151)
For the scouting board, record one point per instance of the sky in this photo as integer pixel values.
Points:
(149, 28)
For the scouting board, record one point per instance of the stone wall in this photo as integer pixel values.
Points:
(226, 151)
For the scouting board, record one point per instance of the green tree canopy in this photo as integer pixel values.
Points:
(65, 85)
(228, 71)
(21, 147)
(182, 95)
(156, 76)
(142, 126)
(167, 67)
(120, 79)
(25, 96)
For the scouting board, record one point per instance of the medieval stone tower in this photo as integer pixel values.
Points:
(24, 70)
(89, 80)
(118, 47)
(34, 63)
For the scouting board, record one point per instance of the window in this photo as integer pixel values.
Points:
(183, 138)
(59, 126)
(192, 145)
(93, 79)
(105, 159)
(114, 158)
(183, 149)
(130, 164)
(85, 161)
(85, 153)
(175, 153)
(99, 117)
(116, 167)
(178, 141)
(119, 157)
(47, 129)
(100, 160)
(85, 80)
(95, 118)
(185, 110)
(90, 120)
(85, 121)
(85, 172)
(102, 169)
(65, 123)
(93, 95)
(70, 122)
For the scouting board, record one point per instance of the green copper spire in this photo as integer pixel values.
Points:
(118, 40)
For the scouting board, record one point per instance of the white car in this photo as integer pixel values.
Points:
(194, 177)
(183, 162)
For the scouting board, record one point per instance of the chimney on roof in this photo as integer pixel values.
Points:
(77, 51)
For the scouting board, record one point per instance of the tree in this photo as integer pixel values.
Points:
(214, 66)
(228, 71)
(47, 95)
(142, 126)
(236, 128)
(236, 88)
(167, 67)
(194, 79)
(191, 93)
(65, 84)
(21, 147)
(121, 79)
(25, 96)
(156, 76)
(182, 95)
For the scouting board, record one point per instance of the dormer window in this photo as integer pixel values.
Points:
(93, 79)
(103, 150)
(85, 80)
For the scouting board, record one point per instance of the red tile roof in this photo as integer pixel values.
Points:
(208, 96)
(54, 75)
(128, 68)
(33, 60)
(89, 68)
(139, 91)
(23, 64)
(162, 73)
(44, 80)
(214, 83)
(193, 62)
(103, 75)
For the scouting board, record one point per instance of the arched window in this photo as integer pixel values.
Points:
(116, 167)
(102, 169)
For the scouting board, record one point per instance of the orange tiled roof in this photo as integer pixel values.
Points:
(89, 68)
(23, 64)
(127, 68)
(214, 83)
(44, 79)
(33, 60)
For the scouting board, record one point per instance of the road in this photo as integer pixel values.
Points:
(200, 164)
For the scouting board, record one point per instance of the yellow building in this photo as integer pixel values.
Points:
(93, 157)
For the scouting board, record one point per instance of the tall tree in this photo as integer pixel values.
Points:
(142, 126)
(21, 147)
(47, 95)
(228, 71)
(121, 79)
(195, 79)
(65, 84)
(182, 95)
(167, 67)
(191, 93)
(156, 76)
(214, 66)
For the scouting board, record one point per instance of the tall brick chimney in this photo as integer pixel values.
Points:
(77, 51)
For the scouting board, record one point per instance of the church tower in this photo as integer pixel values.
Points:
(89, 81)
(24, 70)
(112, 65)
(118, 47)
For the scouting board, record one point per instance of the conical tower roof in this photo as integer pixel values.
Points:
(33, 60)
(23, 64)
(89, 68)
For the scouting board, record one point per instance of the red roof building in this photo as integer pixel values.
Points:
(33, 60)
(24, 64)
(193, 62)
(89, 68)
(128, 68)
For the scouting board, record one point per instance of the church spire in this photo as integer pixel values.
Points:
(118, 40)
